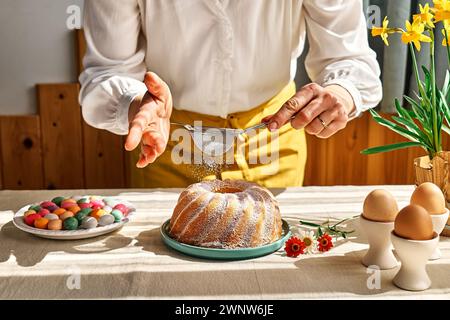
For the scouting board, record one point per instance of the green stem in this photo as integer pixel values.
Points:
(436, 133)
(416, 69)
(448, 47)
(422, 92)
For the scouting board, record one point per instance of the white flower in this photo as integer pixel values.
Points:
(308, 238)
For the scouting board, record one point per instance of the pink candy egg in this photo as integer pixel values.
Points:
(66, 205)
(96, 207)
(85, 205)
(97, 203)
(122, 208)
(43, 212)
(52, 208)
(47, 204)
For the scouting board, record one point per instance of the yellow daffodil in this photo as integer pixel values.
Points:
(425, 16)
(441, 10)
(414, 34)
(383, 31)
(441, 5)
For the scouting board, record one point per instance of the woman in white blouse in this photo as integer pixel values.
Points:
(226, 63)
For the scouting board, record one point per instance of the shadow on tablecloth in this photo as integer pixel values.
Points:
(30, 250)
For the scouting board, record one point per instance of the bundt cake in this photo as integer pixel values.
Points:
(226, 214)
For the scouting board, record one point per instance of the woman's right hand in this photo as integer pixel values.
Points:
(150, 120)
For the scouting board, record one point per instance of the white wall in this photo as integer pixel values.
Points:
(35, 47)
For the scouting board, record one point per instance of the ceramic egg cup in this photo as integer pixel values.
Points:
(439, 222)
(380, 247)
(414, 256)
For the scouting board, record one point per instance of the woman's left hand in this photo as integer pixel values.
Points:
(322, 111)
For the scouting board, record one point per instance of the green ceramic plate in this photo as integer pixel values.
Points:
(225, 254)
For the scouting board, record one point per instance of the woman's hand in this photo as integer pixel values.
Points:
(150, 121)
(321, 111)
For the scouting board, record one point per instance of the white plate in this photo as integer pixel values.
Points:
(70, 234)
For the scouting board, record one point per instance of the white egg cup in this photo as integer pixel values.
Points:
(380, 246)
(414, 256)
(439, 222)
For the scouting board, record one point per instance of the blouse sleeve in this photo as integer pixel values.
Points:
(114, 63)
(339, 50)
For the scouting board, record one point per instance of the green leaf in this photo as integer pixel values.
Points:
(391, 147)
(420, 114)
(446, 86)
(402, 112)
(400, 130)
(446, 129)
(412, 127)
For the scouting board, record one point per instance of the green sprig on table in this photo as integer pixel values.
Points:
(331, 229)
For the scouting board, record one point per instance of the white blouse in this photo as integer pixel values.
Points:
(220, 56)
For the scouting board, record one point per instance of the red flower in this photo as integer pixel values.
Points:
(325, 243)
(294, 247)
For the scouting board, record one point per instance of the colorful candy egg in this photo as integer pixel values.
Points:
(36, 208)
(52, 208)
(55, 225)
(123, 208)
(112, 202)
(59, 211)
(117, 214)
(47, 204)
(41, 223)
(81, 215)
(75, 209)
(58, 200)
(29, 212)
(98, 213)
(85, 205)
(70, 224)
(89, 223)
(29, 220)
(97, 203)
(43, 212)
(67, 204)
(107, 209)
(66, 215)
(86, 210)
(51, 216)
(106, 220)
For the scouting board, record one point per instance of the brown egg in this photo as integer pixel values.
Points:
(414, 223)
(429, 196)
(380, 206)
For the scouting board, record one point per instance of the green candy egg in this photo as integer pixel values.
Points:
(117, 214)
(83, 200)
(80, 216)
(86, 210)
(36, 208)
(58, 200)
(71, 224)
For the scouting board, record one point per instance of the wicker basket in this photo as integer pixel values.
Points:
(436, 171)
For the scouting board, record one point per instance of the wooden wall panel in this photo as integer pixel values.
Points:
(80, 50)
(61, 135)
(103, 151)
(103, 159)
(21, 159)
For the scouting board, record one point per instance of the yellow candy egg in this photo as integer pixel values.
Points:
(98, 213)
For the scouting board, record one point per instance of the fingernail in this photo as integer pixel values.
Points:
(273, 126)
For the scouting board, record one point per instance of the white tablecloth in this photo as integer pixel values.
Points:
(134, 262)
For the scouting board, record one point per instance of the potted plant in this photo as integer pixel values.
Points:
(428, 117)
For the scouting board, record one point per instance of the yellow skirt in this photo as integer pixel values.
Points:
(273, 160)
